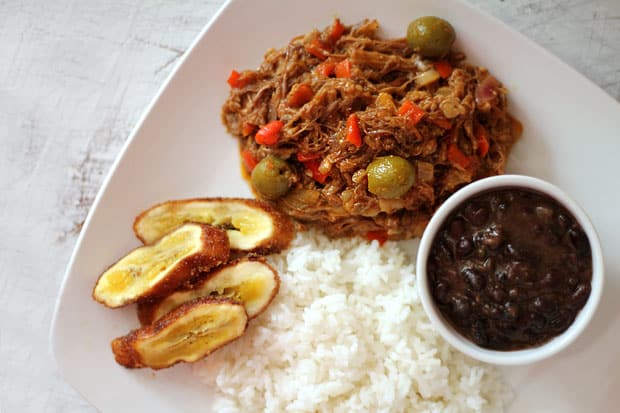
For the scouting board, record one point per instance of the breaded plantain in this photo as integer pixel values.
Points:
(190, 332)
(251, 225)
(158, 269)
(252, 282)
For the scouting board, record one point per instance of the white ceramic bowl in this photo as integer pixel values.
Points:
(463, 344)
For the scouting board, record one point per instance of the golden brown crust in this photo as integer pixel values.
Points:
(214, 252)
(283, 226)
(147, 309)
(124, 348)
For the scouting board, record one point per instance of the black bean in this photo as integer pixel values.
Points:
(441, 293)
(475, 280)
(544, 213)
(478, 215)
(457, 228)
(515, 292)
(580, 241)
(491, 310)
(563, 223)
(552, 278)
(544, 304)
(538, 229)
(511, 311)
(498, 294)
(550, 238)
(492, 237)
(514, 252)
(464, 247)
(488, 265)
(560, 322)
(461, 307)
(501, 275)
(537, 323)
(481, 252)
(478, 332)
(519, 271)
(581, 294)
(444, 253)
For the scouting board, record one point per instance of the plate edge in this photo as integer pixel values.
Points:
(52, 335)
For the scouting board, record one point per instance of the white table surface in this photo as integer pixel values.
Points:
(75, 75)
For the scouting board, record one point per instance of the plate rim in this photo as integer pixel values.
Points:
(53, 330)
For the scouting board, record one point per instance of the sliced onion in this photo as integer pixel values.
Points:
(427, 77)
(486, 90)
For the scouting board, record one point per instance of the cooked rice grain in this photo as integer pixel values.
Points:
(347, 332)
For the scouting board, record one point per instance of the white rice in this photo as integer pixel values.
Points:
(347, 333)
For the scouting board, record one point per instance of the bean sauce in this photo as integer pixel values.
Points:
(510, 269)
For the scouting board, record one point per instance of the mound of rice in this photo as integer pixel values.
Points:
(346, 333)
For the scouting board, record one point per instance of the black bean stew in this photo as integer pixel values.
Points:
(510, 269)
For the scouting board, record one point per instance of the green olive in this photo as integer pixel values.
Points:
(271, 177)
(430, 36)
(390, 176)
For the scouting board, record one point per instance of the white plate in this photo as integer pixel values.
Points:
(180, 149)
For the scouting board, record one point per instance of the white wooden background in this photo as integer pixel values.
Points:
(75, 76)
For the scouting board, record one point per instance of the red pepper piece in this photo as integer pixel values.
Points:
(249, 159)
(317, 49)
(236, 80)
(313, 166)
(444, 68)
(336, 31)
(343, 69)
(456, 156)
(248, 129)
(353, 130)
(270, 133)
(411, 111)
(326, 69)
(381, 236)
(483, 141)
(300, 96)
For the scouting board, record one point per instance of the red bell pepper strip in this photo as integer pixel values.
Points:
(317, 49)
(483, 141)
(248, 129)
(249, 159)
(236, 80)
(412, 112)
(326, 69)
(353, 130)
(336, 31)
(343, 68)
(444, 68)
(300, 96)
(313, 166)
(381, 236)
(456, 156)
(270, 133)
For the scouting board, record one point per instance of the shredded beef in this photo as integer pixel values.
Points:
(383, 76)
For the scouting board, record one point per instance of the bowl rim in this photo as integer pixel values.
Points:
(515, 357)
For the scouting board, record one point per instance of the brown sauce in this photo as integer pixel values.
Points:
(510, 269)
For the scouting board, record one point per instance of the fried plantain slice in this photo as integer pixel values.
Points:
(252, 282)
(251, 225)
(190, 332)
(158, 269)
